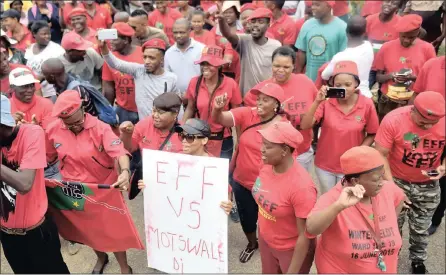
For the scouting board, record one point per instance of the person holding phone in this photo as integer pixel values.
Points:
(348, 120)
(352, 217)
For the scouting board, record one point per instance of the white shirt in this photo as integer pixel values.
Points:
(183, 63)
(300, 11)
(35, 61)
(363, 56)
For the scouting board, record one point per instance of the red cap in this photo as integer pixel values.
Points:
(431, 105)
(212, 55)
(154, 43)
(248, 6)
(261, 13)
(67, 103)
(345, 67)
(282, 133)
(409, 23)
(269, 89)
(124, 29)
(76, 12)
(360, 159)
(308, 3)
(73, 41)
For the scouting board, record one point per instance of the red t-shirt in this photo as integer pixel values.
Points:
(284, 30)
(396, 133)
(228, 86)
(379, 32)
(66, 10)
(350, 129)
(347, 247)
(340, 8)
(101, 19)
(298, 102)
(124, 83)
(319, 80)
(4, 82)
(165, 21)
(431, 77)
(249, 158)
(25, 42)
(89, 156)
(282, 198)
(206, 37)
(28, 152)
(146, 136)
(371, 7)
(393, 57)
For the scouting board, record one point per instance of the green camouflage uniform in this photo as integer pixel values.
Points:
(425, 198)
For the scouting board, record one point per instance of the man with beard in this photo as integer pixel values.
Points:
(30, 240)
(139, 22)
(150, 78)
(255, 49)
(119, 87)
(78, 19)
(81, 60)
(181, 57)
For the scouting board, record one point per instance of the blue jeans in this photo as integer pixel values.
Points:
(126, 115)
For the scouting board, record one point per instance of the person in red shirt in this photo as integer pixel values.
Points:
(285, 194)
(371, 7)
(341, 10)
(412, 139)
(282, 26)
(357, 219)
(404, 54)
(198, 32)
(163, 18)
(78, 18)
(431, 77)
(300, 22)
(30, 241)
(99, 17)
(88, 151)
(118, 86)
(200, 97)
(352, 120)
(246, 162)
(297, 101)
(245, 12)
(65, 11)
(15, 30)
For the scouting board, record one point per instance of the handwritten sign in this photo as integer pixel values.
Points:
(186, 230)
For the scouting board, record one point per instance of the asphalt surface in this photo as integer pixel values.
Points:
(85, 259)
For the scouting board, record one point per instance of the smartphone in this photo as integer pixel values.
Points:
(335, 92)
(107, 34)
(432, 173)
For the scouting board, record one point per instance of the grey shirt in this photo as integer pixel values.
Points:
(147, 86)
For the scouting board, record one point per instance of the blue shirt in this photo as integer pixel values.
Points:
(321, 42)
(56, 31)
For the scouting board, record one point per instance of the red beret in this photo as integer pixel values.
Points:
(431, 105)
(248, 6)
(261, 13)
(360, 159)
(124, 29)
(154, 43)
(282, 133)
(67, 104)
(345, 67)
(76, 12)
(308, 3)
(409, 23)
(269, 89)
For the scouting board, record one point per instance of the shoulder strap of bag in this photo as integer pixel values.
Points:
(197, 89)
(171, 132)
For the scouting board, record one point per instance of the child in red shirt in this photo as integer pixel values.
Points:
(198, 32)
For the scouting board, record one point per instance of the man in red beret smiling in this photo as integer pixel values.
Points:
(408, 53)
(117, 86)
(412, 139)
(79, 22)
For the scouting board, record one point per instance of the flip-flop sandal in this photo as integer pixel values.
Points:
(101, 271)
(246, 254)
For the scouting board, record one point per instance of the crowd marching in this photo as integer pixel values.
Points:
(351, 92)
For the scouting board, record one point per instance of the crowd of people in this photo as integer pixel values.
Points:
(352, 93)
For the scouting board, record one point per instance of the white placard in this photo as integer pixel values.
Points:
(186, 230)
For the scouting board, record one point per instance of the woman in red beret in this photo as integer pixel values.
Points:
(357, 219)
(351, 120)
(285, 194)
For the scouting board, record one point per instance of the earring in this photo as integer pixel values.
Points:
(275, 110)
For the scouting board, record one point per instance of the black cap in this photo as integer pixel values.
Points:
(11, 13)
(195, 126)
(169, 102)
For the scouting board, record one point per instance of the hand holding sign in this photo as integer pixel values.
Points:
(351, 196)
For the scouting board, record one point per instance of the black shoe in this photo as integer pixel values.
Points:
(101, 271)
(234, 214)
(432, 229)
(418, 268)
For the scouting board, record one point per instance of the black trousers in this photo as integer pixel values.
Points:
(439, 213)
(246, 206)
(36, 252)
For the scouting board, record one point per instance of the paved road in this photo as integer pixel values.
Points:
(84, 261)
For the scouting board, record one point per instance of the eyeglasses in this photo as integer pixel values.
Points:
(189, 138)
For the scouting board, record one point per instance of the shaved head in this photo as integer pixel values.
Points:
(122, 16)
(183, 22)
(53, 65)
(356, 26)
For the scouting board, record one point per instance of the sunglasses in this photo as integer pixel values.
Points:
(189, 138)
